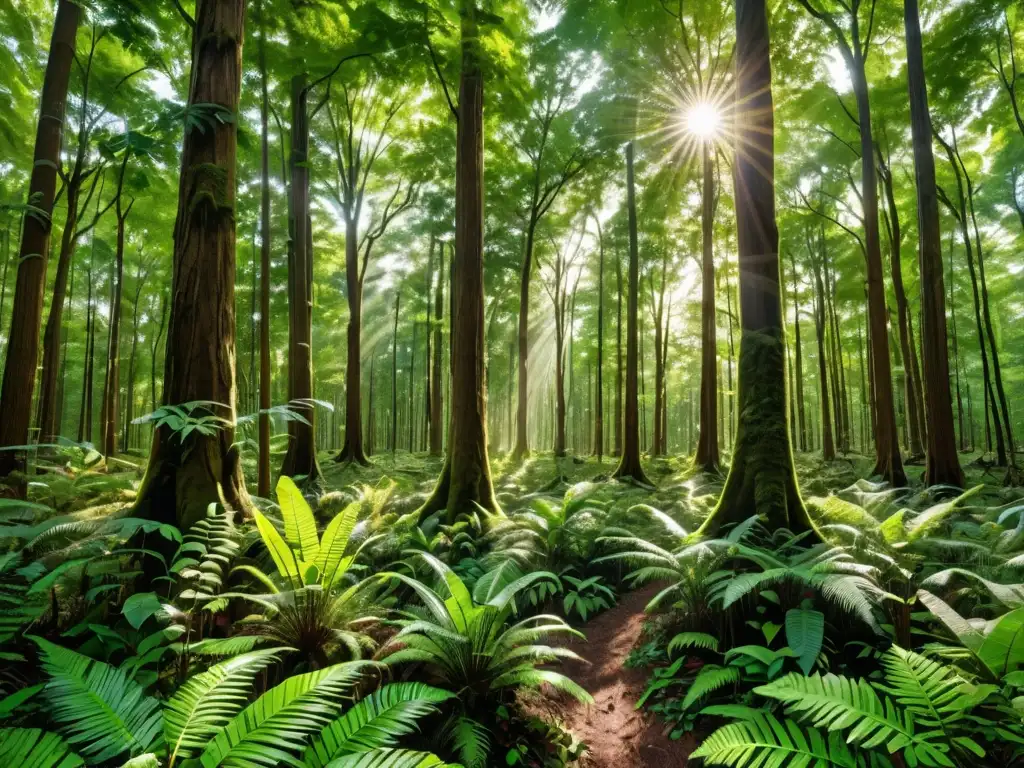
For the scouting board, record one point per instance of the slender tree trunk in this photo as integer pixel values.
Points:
(23, 339)
(863, 392)
(85, 417)
(140, 278)
(393, 444)
(599, 390)
(617, 450)
(437, 372)
(263, 427)
(761, 478)
(112, 381)
(522, 445)
(801, 411)
(828, 450)
(466, 478)
(3, 277)
(956, 353)
(300, 459)
(707, 458)
(629, 461)
(186, 475)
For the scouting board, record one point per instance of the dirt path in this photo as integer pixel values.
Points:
(617, 735)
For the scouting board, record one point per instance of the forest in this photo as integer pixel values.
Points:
(541, 383)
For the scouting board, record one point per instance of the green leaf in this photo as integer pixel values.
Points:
(805, 631)
(299, 523)
(33, 748)
(140, 607)
(280, 553)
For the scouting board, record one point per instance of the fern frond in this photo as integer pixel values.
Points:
(33, 748)
(929, 689)
(390, 758)
(710, 679)
(700, 640)
(764, 740)
(377, 721)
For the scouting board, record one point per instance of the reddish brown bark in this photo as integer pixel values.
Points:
(942, 465)
(23, 345)
(186, 475)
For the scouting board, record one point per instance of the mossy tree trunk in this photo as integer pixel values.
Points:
(761, 479)
(629, 460)
(465, 480)
(707, 458)
(23, 339)
(186, 475)
(942, 465)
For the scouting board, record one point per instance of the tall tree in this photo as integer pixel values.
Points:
(853, 28)
(187, 473)
(761, 477)
(23, 345)
(465, 480)
(629, 460)
(942, 465)
(707, 457)
(263, 460)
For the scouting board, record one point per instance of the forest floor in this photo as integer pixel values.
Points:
(617, 735)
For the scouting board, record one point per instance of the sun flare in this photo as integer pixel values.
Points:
(703, 121)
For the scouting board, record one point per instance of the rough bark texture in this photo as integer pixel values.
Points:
(185, 476)
(23, 345)
(942, 465)
(761, 477)
(707, 458)
(300, 458)
(465, 480)
(629, 461)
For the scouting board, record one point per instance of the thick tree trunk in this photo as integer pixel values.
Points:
(263, 428)
(761, 478)
(942, 465)
(707, 458)
(300, 459)
(23, 340)
(465, 480)
(629, 461)
(186, 475)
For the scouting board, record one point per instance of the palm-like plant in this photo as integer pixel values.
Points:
(314, 603)
(107, 717)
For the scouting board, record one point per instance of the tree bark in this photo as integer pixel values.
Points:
(761, 477)
(186, 475)
(300, 459)
(599, 386)
(465, 480)
(707, 458)
(437, 367)
(942, 465)
(617, 449)
(263, 427)
(23, 340)
(828, 450)
(629, 461)
(112, 379)
(393, 445)
(801, 413)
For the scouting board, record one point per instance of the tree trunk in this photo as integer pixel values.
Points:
(828, 450)
(465, 480)
(522, 445)
(599, 387)
(629, 461)
(140, 278)
(707, 458)
(186, 475)
(263, 460)
(437, 368)
(942, 465)
(801, 412)
(888, 463)
(617, 450)
(23, 340)
(956, 353)
(112, 380)
(393, 445)
(300, 459)
(761, 478)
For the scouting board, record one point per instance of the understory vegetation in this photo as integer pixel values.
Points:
(334, 631)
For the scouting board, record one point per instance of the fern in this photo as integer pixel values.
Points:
(710, 679)
(699, 640)
(208, 701)
(97, 706)
(390, 758)
(839, 703)
(377, 721)
(472, 742)
(764, 740)
(927, 688)
(33, 748)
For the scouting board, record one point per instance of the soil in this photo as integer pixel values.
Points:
(616, 733)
